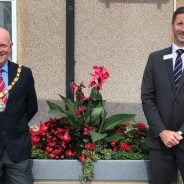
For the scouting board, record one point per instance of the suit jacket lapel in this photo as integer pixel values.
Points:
(12, 70)
(169, 65)
(180, 83)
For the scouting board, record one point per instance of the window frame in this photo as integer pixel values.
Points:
(14, 28)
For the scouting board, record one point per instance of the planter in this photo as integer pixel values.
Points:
(124, 170)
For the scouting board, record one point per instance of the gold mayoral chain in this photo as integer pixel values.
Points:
(2, 94)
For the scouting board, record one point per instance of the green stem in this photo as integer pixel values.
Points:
(103, 120)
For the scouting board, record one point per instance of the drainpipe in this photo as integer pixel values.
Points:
(70, 61)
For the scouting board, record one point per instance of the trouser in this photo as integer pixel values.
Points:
(15, 173)
(165, 165)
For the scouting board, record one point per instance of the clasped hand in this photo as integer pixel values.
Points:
(170, 138)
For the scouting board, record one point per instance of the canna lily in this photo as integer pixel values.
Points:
(99, 77)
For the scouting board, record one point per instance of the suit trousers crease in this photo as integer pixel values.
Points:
(165, 164)
(15, 173)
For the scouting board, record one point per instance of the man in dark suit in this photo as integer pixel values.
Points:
(18, 104)
(162, 94)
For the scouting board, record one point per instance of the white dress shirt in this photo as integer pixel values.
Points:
(174, 49)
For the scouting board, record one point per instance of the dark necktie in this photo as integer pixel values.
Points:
(3, 99)
(178, 67)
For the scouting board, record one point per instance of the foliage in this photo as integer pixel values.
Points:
(38, 153)
(83, 131)
(55, 138)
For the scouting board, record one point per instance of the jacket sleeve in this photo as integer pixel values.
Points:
(148, 98)
(182, 128)
(31, 98)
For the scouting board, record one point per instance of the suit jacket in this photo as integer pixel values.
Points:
(162, 104)
(20, 108)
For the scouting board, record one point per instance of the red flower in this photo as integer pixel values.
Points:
(67, 137)
(82, 158)
(60, 137)
(49, 124)
(35, 132)
(92, 83)
(86, 131)
(93, 128)
(124, 146)
(63, 144)
(70, 153)
(73, 86)
(100, 72)
(52, 155)
(99, 77)
(80, 110)
(85, 98)
(57, 151)
(113, 143)
(140, 125)
(43, 127)
(48, 136)
(35, 139)
(48, 149)
(60, 130)
(52, 143)
(115, 149)
(90, 146)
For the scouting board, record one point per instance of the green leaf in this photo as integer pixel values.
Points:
(95, 136)
(96, 115)
(113, 137)
(102, 120)
(70, 105)
(95, 94)
(71, 118)
(115, 120)
(56, 113)
(38, 154)
(96, 112)
(55, 109)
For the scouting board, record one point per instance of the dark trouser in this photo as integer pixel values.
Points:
(15, 173)
(165, 165)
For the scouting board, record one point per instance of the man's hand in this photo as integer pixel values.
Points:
(170, 138)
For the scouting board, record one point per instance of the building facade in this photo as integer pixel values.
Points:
(117, 34)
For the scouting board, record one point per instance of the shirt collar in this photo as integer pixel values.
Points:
(175, 48)
(5, 67)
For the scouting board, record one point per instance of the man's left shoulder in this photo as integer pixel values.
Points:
(25, 68)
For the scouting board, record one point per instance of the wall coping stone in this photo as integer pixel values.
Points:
(127, 170)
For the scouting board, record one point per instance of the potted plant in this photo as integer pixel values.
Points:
(84, 131)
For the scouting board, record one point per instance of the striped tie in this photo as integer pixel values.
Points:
(3, 100)
(178, 67)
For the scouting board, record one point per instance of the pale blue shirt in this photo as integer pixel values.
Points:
(5, 74)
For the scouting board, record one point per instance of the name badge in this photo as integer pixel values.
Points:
(168, 56)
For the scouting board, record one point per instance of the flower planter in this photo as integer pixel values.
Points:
(124, 170)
